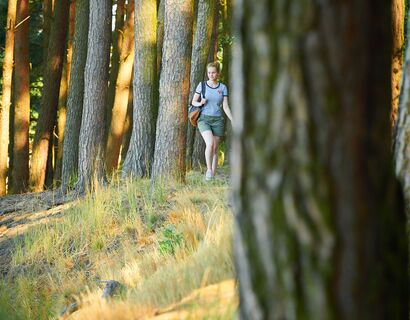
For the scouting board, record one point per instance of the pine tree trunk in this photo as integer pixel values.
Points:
(47, 20)
(397, 9)
(117, 42)
(20, 168)
(140, 153)
(160, 34)
(6, 94)
(127, 127)
(49, 98)
(119, 109)
(200, 50)
(320, 226)
(91, 142)
(170, 148)
(75, 94)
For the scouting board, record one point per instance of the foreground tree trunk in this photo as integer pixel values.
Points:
(320, 226)
(91, 142)
(6, 94)
(169, 155)
(122, 88)
(49, 98)
(200, 50)
(397, 9)
(75, 93)
(141, 149)
(20, 169)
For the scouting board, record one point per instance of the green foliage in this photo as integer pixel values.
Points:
(172, 239)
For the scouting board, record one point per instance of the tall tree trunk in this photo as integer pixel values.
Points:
(117, 42)
(6, 94)
(320, 226)
(47, 20)
(140, 153)
(198, 150)
(122, 88)
(20, 168)
(169, 155)
(200, 50)
(127, 127)
(160, 34)
(91, 142)
(62, 101)
(75, 93)
(49, 98)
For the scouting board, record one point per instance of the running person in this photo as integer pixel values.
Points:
(211, 121)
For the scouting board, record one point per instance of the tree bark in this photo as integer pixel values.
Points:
(6, 94)
(320, 226)
(117, 41)
(47, 19)
(20, 168)
(397, 9)
(160, 34)
(62, 101)
(91, 142)
(169, 155)
(49, 98)
(200, 50)
(75, 94)
(140, 153)
(119, 109)
(127, 127)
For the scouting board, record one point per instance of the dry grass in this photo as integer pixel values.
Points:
(161, 242)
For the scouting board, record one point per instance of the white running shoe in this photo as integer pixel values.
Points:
(208, 175)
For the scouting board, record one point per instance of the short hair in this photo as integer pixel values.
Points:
(215, 65)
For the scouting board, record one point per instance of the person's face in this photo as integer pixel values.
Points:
(212, 74)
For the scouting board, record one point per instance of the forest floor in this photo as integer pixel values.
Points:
(168, 246)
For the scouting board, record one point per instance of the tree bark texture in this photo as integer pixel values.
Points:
(127, 127)
(50, 95)
(117, 41)
(47, 20)
(91, 141)
(320, 226)
(75, 93)
(398, 9)
(6, 94)
(119, 108)
(169, 155)
(139, 157)
(200, 50)
(62, 101)
(20, 167)
(160, 34)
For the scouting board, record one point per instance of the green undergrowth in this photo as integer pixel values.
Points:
(160, 241)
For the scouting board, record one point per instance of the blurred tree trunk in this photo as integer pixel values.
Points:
(75, 93)
(62, 101)
(127, 127)
(320, 225)
(91, 141)
(122, 88)
(49, 98)
(160, 34)
(117, 41)
(47, 19)
(20, 168)
(198, 149)
(170, 148)
(141, 149)
(397, 9)
(199, 57)
(6, 94)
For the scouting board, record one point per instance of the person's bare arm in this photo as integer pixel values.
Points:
(195, 101)
(226, 108)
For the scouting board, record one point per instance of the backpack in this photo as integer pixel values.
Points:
(194, 112)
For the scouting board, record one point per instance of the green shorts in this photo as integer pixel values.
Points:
(212, 123)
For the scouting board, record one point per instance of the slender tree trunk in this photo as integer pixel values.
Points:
(140, 153)
(160, 34)
(117, 42)
(127, 127)
(62, 101)
(122, 88)
(169, 155)
(75, 93)
(320, 226)
(91, 142)
(49, 98)
(198, 149)
(200, 50)
(47, 19)
(397, 9)
(20, 167)
(6, 94)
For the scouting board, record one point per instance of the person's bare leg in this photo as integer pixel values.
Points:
(215, 154)
(209, 142)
